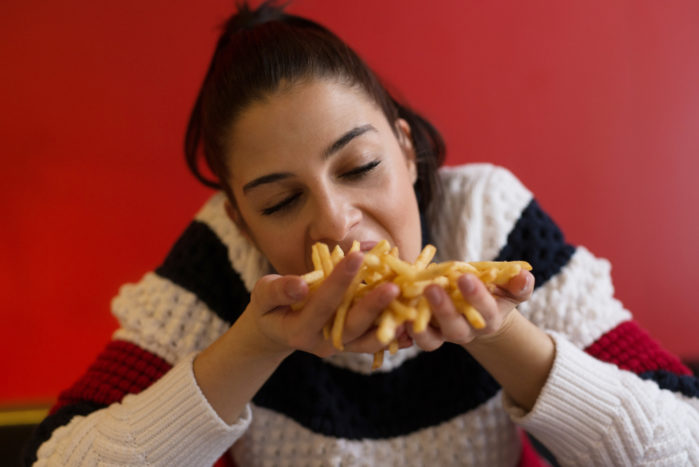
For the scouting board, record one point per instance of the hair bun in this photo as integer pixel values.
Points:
(247, 17)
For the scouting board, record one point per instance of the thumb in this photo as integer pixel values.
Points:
(273, 291)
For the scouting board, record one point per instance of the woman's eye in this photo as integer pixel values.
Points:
(360, 171)
(282, 205)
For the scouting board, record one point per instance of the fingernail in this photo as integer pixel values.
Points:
(294, 290)
(527, 281)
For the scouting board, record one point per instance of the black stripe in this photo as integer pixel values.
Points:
(684, 384)
(199, 263)
(58, 419)
(425, 391)
(536, 239)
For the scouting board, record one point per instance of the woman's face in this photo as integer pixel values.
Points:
(317, 161)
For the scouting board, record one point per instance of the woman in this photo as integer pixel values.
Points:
(308, 146)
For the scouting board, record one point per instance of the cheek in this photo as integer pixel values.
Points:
(403, 219)
(281, 243)
(284, 249)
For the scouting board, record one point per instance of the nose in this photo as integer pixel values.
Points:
(333, 218)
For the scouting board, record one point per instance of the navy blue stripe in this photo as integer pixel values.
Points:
(684, 384)
(535, 238)
(46, 428)
(199, 263)
(430, 389)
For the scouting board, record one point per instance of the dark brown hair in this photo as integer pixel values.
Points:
(261, 48)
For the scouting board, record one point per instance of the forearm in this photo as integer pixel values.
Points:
(592, 413)
(232, 370)
(169, 423)
(519, 356)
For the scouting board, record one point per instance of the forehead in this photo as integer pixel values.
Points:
(298, 121)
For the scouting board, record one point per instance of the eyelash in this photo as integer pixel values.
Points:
(360, 171)
(354, 174)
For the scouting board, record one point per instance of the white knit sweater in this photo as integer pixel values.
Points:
(588, 413)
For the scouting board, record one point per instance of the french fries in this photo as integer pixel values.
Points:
(382, 264)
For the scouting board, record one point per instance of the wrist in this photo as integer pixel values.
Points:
(233, 368)
(511, 325)
(519, 356)
(249, 341)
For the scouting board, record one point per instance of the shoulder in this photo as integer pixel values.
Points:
(481, 172)
(199, 289)
(245, 259)
(478, 207)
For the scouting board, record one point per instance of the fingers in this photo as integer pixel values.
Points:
(363, 315)
(328, 297)
(451, 323)
(430, 339)
(519, 288)
(477, 295)
(273, 291)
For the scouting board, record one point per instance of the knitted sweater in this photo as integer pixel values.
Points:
(613, 396)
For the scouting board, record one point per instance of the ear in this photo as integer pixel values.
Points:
(234, 215)
(405, 140)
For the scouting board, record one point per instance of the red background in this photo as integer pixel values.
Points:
(594, 105)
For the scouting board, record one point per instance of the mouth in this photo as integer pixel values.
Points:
(367, 245)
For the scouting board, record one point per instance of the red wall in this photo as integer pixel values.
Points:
(595, 105)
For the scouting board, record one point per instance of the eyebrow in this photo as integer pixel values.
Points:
(345, 139)
(340, 143)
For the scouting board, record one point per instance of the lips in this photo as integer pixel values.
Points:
(367, 245)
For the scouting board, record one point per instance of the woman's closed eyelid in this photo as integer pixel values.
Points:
(283, 204)
(289, 201)
(361, 170)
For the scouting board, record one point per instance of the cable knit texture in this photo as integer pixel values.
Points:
(614, 396)
(169, 423)
(600, 415)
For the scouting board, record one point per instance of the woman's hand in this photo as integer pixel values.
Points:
(512, 349)
(280, 329)
(233, 368)
(449, 325)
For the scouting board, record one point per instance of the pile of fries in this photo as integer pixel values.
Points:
(382, 264)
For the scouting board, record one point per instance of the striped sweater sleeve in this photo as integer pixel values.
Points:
(614, 395)
(139, 402)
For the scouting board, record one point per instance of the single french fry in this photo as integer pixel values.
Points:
(381, 248)
(378, 360)
(325, 261)
(474, 318)
(402, 312)
(387, 328)
(423, 315)
(337, 255)
(341, 313)
(425, 256)
(372, 260)
(393, 347)
(315, 257)
(431, 271)
(313, 277)
(399, 266)
(504, 274)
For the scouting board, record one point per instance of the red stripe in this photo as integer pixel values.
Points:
(122, 368)
(225, 461)
(529, 457)
(631, 348)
